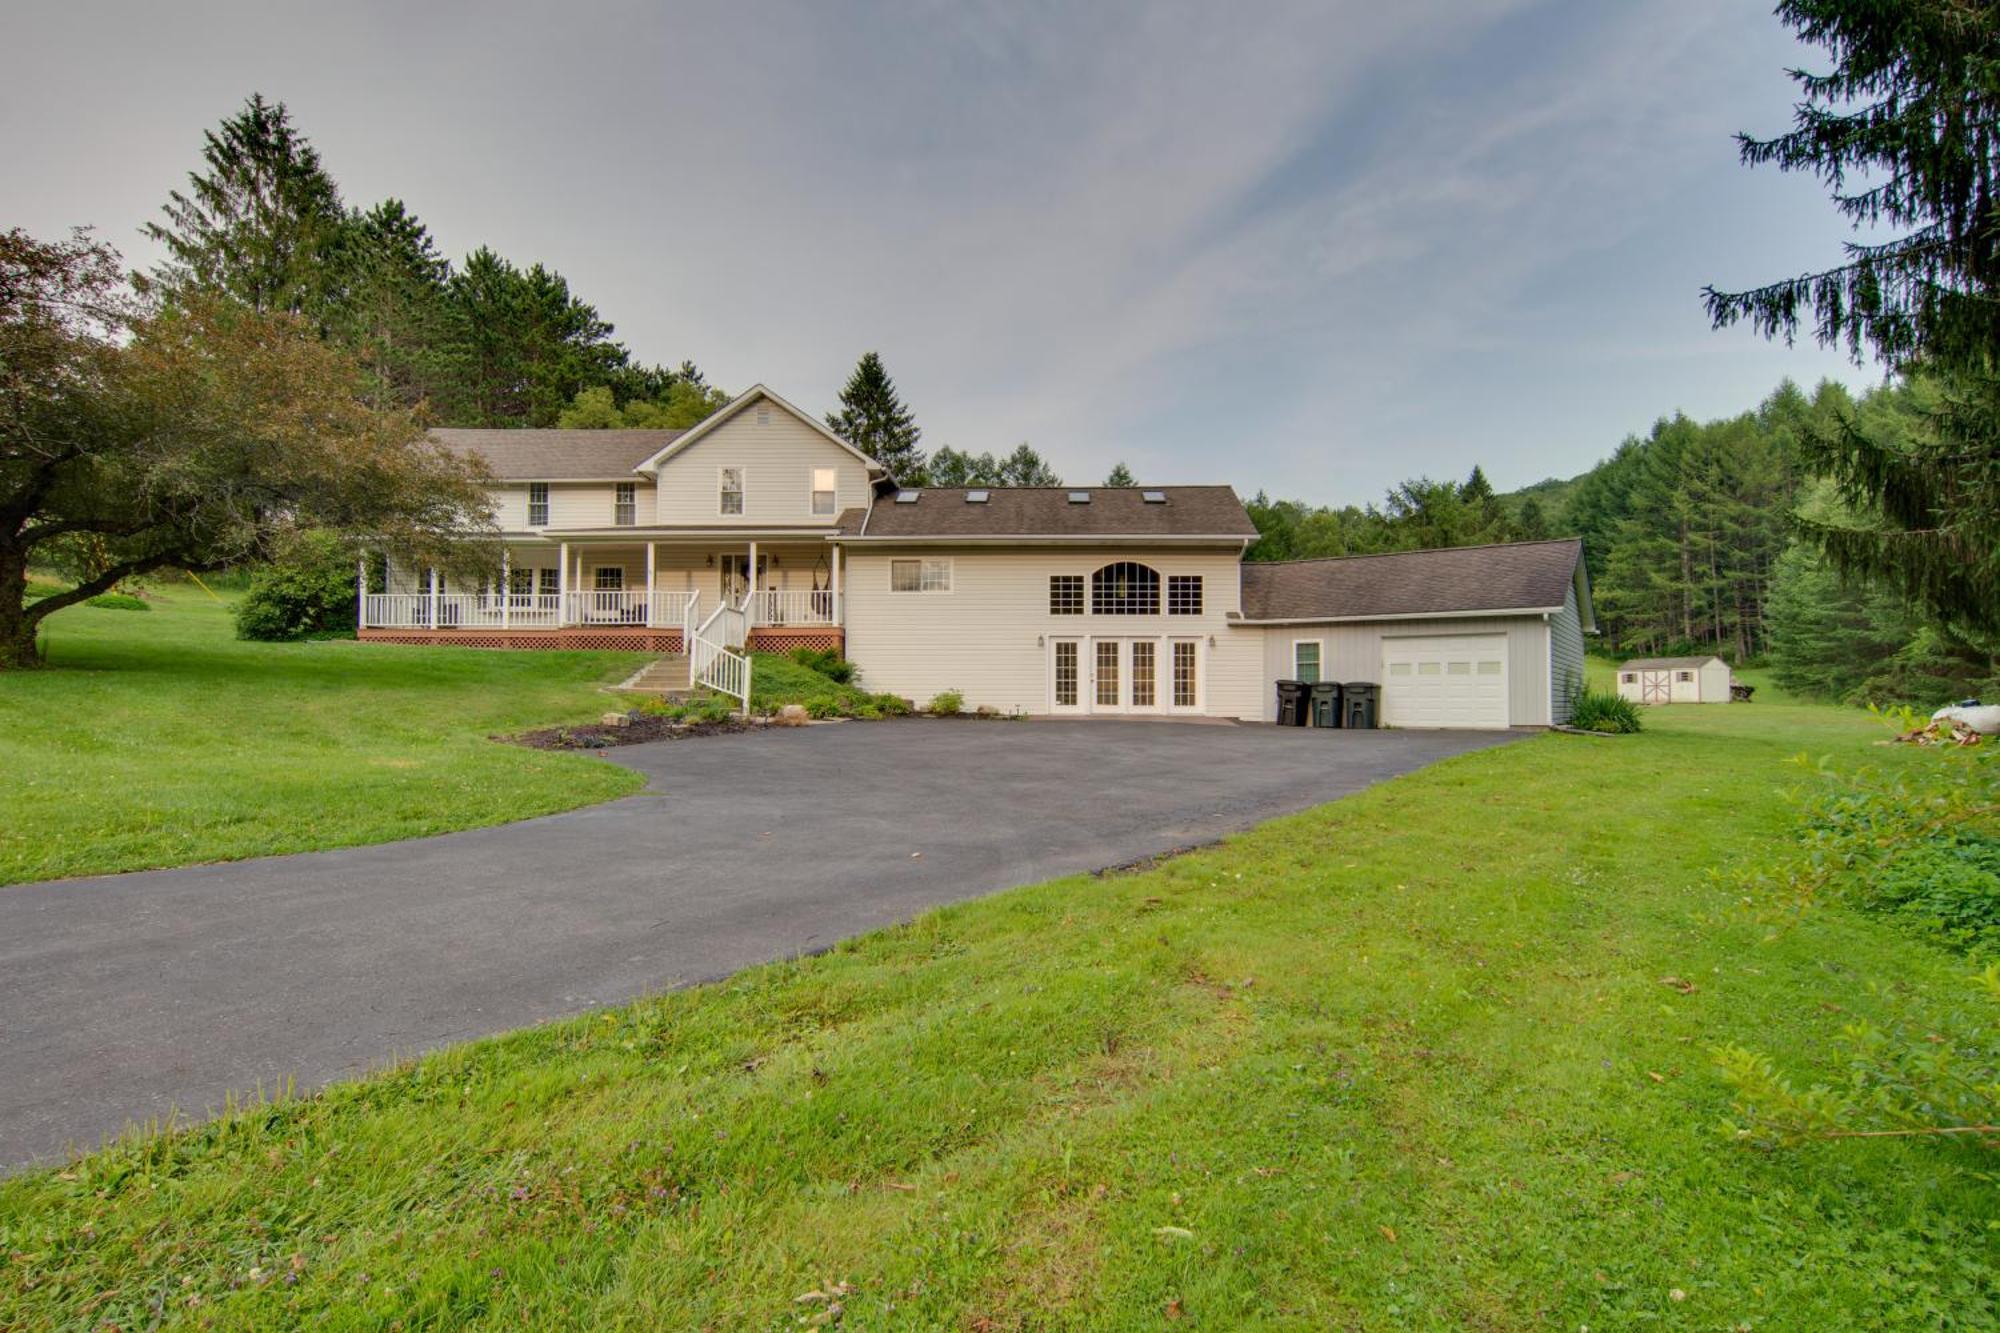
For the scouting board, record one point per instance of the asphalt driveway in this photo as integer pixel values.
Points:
(126, 997)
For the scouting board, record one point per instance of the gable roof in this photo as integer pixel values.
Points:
(1462, 580)
(1046, 511)
(558, 455)
(1669, 663)
(733, 408)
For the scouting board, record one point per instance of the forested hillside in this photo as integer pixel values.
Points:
(1692, 547)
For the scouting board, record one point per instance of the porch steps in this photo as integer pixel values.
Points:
(664, 675)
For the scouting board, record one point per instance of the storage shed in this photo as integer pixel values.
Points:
(1675, 680)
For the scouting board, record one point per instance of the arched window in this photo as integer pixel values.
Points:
(1125, 589)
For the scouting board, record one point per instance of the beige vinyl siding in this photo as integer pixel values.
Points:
(1565, 657)
(777, 457)
(1354, 652)
(988, 637)
(573, 504)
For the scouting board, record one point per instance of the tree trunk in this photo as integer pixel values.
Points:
(17, 632)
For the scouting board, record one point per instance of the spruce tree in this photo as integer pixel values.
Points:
(1025, 467)
(262, 224)
(873, 419)
(1120, 477)
(393, 314)
(1905, 131)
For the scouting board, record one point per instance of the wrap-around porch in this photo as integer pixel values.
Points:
(648, 595)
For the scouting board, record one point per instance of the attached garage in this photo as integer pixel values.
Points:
(1477, 637)
(1445, 681)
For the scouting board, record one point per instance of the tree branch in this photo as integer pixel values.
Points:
(90, 587)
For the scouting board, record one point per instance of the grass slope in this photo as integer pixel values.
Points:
(1405, 1061)
(160, 739)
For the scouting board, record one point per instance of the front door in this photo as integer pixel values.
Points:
(736, 575)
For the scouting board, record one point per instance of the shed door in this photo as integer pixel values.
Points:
(1457, 680)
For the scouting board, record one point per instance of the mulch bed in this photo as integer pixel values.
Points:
(597, 736)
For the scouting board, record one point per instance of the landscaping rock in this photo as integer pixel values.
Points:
(616, 720)
(792, 715)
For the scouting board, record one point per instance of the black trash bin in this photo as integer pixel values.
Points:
(1292, 703)
(1326, 703)
(1357, 699)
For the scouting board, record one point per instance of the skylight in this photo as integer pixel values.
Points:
(907, 497)
(976, 497)
(1079, 497)
(1154, 497)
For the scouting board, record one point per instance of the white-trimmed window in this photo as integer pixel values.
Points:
(731, 486)
(1684, 677)
(520, 583)
(1183, 594)
(608, 578)
(625, 504)
(549, 581)
(1065, 594)
(538, 504)
(1628, 678)
(823, 500)
(927, 575)
(1306, 660)
(1126, 588)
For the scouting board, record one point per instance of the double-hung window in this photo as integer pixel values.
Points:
(1305, 661)
(822, 491)
(920, 576)
(732, 490)
(538, 504)
(625, 504)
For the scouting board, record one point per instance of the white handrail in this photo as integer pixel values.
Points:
(711, 664)
(734, 629)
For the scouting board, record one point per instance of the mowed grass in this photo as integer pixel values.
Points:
(1406, 1061)
(156, 738)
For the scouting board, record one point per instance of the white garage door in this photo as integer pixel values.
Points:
(1457, 680)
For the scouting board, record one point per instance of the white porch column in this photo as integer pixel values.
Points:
(750, 602)
(562, 585)
(506, 585)
(652, 564)
(838, 617)
(361, 592)
(434, 597)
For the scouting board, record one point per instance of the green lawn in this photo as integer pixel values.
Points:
(158, 739)
(1406, 1061)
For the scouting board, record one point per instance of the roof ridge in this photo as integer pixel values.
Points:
(1415, 550)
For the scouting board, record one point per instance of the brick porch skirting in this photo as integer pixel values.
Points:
(601, 638)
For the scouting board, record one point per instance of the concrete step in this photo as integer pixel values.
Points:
(666, 675)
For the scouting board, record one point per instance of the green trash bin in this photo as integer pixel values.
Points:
(1292, 703)
(1358, 701)
(1326, 703)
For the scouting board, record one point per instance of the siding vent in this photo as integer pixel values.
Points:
(976, 497)
(907, 497)
(1153, 497)
(1079, 497)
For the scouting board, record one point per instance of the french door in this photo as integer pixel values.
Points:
(1104, 675)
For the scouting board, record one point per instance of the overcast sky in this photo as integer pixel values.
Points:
(1311, 250)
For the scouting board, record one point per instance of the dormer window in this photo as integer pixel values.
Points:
(732, 490)
(823, 479)
(538, 504)
(625, 504)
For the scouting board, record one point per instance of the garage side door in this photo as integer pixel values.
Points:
(1457, 680)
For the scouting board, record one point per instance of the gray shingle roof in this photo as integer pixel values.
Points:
(558, 455)
(1516, 576)
(1668, 663)
(1046, 511)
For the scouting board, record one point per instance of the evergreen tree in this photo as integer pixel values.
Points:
(873, 419)
(262, 223)
(1025, 467)
(1909, 109)
(951, 467)
(1120, 478)
(524, 345)
(393, 314)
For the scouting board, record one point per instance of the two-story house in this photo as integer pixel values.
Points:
(760, 529)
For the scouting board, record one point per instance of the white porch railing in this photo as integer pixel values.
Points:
(675, 609)
(728, 625)
(806, 606)
(604, 606)
(458, 610)
(711, 664)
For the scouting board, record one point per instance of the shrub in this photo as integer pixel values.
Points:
(893, 705)
(1947, 887)
(823, 708)
(827, 662)
(946, 703)
(118, 601)
(309, 590)
(1603, 710)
